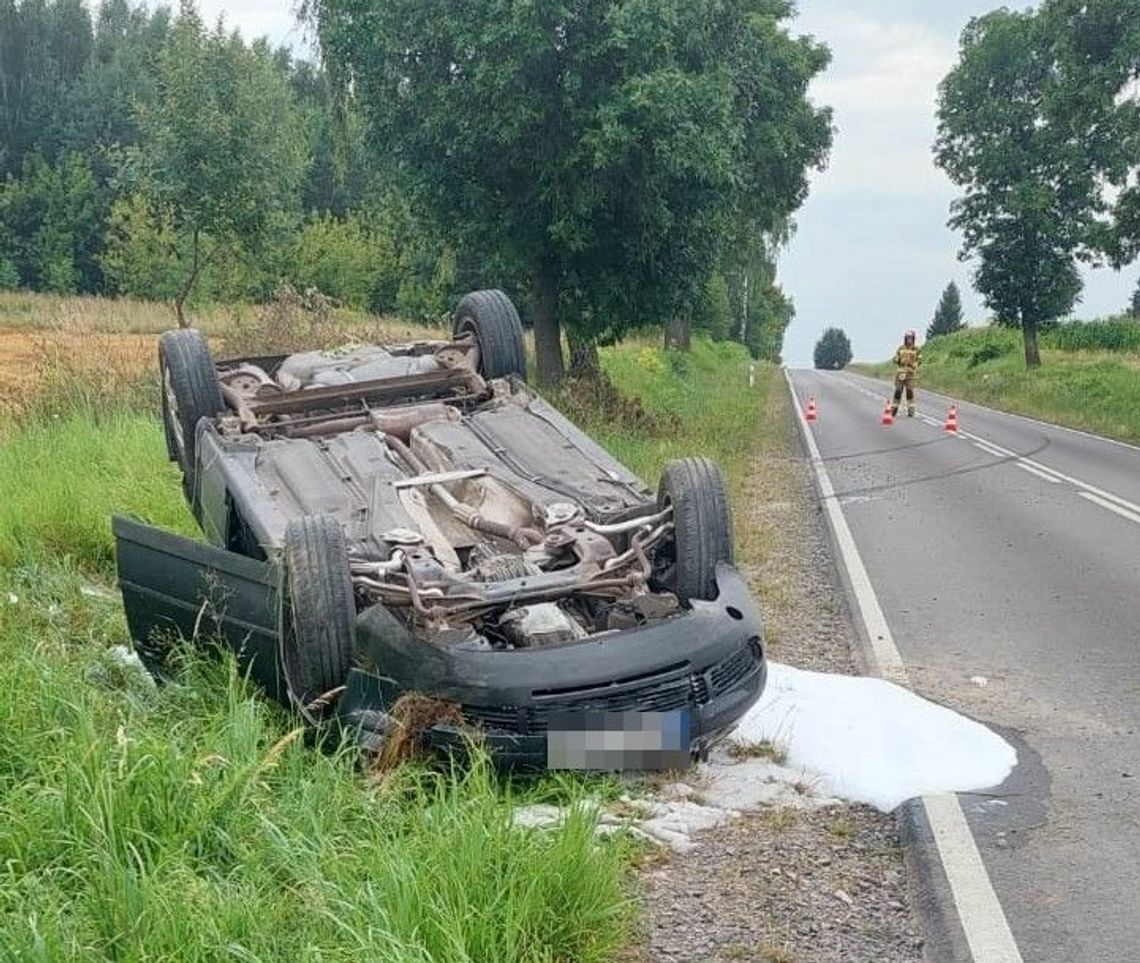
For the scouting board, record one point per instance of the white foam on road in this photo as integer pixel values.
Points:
(871, 741)
(838, 738)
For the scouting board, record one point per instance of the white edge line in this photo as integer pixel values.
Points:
(979, 910)
(1103, 503)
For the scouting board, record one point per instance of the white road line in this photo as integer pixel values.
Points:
(979, 910)
(988, 448)
(1051, 479)
(1104, 503)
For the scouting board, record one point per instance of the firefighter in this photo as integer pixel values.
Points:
(908, 359)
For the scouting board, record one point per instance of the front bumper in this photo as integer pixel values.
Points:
(709, 661)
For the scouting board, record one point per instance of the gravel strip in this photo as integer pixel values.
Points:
(786, 886)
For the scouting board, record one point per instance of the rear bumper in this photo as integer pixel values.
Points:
(709, 661)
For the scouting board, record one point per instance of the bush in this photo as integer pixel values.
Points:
(345, 259)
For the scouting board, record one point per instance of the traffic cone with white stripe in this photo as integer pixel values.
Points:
(812, 413)
(888, 415)
(952, 420)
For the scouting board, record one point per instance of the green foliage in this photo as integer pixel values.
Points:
(1039, 125)
(599, 150)
(192, 822)
(1027, 207)
(1111, 334)
(702, 395)
(223, 149)
(50, 214)
(1092, 98)
(714, 313)
(833, 350)
(345, 259)
(948, 315)
(1134, 306)
(140, 255)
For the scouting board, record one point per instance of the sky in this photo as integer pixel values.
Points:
(871, 253)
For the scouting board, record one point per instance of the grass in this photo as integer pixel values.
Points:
(30, 311)
(194, 821)
(759, 750)
(1089, 377)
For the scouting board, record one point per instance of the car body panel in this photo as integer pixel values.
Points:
(178, 587)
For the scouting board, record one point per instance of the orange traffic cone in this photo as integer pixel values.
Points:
(812, 414)
(952, 420)
(888, 415)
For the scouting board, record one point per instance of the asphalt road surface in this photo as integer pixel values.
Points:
(1007, 563)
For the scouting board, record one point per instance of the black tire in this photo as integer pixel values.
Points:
(491, 318)
(702, 528)
(190, 392)
(319, 616)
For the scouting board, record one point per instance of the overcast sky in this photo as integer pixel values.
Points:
(872, 252)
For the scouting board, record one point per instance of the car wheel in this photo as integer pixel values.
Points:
(702, 528)
(319, 614)
(190, 392)
(491, 318)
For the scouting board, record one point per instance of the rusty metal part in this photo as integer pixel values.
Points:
(523, 537)
(249, 380)
(399, 422)
(431, 384)
(247, 420)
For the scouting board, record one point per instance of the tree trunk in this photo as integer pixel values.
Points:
(547, 329)
(184, 293)
(1032, 354)
(678, 334)
(584, 363)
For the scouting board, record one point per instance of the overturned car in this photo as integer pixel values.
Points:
(416, 519)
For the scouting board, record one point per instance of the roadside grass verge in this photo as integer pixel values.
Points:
(61, 478)
(192, 822)
(1089, 376)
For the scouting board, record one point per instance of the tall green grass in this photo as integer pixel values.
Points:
(192, 822)
(704, 394)
(62, 476)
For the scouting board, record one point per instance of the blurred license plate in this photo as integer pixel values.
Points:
(616, 741)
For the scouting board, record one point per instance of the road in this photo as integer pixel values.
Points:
(1007, 564)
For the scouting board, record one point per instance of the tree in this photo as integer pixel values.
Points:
(1094, 98)
(223, 151)
(50, 215)
(833, 350)
(948, 314)
(1040, 123)
(1029, 205)
(595, 155)
(1134, 307)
